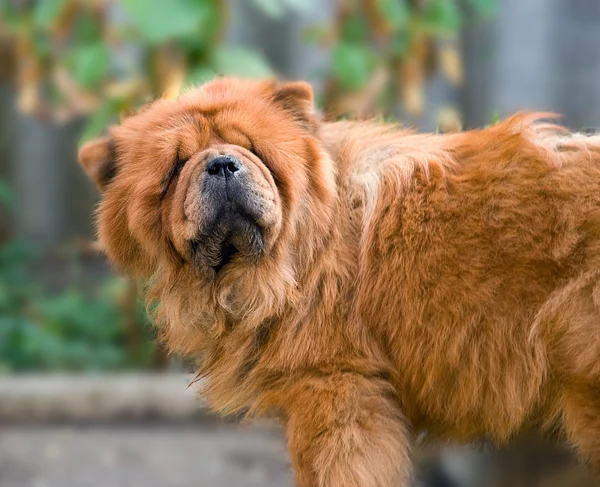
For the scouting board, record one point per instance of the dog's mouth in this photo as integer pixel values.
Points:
(219, 247)
(228, 252)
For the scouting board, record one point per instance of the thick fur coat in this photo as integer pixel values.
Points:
(361, 282)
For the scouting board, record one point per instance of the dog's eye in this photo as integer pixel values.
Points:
(173, 173)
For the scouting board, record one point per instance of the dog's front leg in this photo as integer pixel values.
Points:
(346, 430)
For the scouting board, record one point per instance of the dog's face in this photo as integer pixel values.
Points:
(217, 185)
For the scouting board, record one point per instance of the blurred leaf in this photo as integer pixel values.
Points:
(98, 121)
(240, 61)
(353, 64)
(401, 42)
(16, 251)
(113, 289)
(46, 12)
(73, 329)
(355, 29)
(395, 12)
(12, 343)
(159, 20)
(9, 14)
(484, 8)
(89, 64)
(442, 17)
(199, 75)
(86, 29)
(41, 43)
(6, 195)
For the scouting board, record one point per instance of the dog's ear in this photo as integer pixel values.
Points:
(98, 158)
(297, 98)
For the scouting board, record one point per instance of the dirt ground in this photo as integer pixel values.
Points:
(148, 456)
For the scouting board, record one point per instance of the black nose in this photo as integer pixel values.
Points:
(223, 166)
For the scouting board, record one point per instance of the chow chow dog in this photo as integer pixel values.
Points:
(361, 282)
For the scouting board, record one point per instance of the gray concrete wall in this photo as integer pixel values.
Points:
(535, 55)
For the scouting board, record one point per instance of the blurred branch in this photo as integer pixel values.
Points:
(7, 56)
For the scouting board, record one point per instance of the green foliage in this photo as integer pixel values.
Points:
(374, 41)
(101, 118)
(6, 195)
(484, 8)
(190, 28)
(75, 329)
(46, 12)
(89, 64)
(395, 11)
(442, 17)
(240, 61)
(199, 74)
(109, 63)
(159, 21)
(86, 30)
(70, 330)
(183, 40)
(353, 64)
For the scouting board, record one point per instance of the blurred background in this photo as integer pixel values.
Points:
(86, 396)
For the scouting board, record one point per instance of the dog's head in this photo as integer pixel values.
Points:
(221, 190)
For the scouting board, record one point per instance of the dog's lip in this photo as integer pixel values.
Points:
(215, 250)
(228, 252)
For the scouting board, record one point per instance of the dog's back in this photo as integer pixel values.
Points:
(480, 273)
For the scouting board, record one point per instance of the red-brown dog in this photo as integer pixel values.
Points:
(362, 282)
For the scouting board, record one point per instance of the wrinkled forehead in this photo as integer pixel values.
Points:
(202, 119)
(180, 129)
(194, 130)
